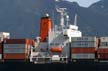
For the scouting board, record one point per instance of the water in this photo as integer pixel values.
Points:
(54, 67)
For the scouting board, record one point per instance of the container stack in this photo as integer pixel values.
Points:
(18, 49)
(102, 52)
(83, 47)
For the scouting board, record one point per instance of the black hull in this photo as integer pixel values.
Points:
(12, 66)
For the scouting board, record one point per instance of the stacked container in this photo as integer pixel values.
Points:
(102, 52)
(18, 49)
(83, 47)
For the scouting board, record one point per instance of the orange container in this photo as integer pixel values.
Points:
(15, 56)
(45, 26)
(83, 50)
(16, 41)
(56, 49)
(102, 50)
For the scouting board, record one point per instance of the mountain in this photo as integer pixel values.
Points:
(22, 17)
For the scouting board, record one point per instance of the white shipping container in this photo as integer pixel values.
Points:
(16, 50)
(103, 39)
(83, 56)
(83, 39)
(15, 46)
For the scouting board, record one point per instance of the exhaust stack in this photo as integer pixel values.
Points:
(45, 27)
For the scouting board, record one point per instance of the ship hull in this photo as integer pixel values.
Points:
(15, 66)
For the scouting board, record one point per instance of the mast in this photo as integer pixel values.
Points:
(62, 13)
(75, 20)
(67, 20)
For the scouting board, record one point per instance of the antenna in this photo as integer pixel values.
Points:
(67, 17)
(75, 20)
(62, 13)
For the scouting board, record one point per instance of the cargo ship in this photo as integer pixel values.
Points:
(58, 47)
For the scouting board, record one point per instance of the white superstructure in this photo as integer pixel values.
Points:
(58, 38)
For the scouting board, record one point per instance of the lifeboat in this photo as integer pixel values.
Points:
(56, 49)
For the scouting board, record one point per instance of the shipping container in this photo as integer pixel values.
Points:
(102, 50)
(83, 39)
(103, 39)
(103, 44)
(20, 46)
(82, 50)
(102, 56)
(18, 41)
(87, 44)
(15, 56)
(106, 47)
(83, 56)
(15, 50)
(84, 44)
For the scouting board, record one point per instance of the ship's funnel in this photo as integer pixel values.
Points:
(45, 27)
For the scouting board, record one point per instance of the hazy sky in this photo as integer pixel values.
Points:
(85, 3)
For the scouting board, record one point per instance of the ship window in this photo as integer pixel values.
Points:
(51, 43)
(67, 44)
(62, 43)
(56, 43)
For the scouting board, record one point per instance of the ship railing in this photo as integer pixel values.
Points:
(36, 59)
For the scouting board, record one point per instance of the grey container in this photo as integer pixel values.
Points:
(22, 46)
(83, 56)
(83, 39)
(103, 44)
(14, 50)
(103, 47)
(83, 45)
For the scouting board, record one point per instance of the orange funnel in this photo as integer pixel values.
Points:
(45, 26)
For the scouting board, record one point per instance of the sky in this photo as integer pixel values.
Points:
(85, 3)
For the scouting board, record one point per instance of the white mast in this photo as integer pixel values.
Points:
(75, 20)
